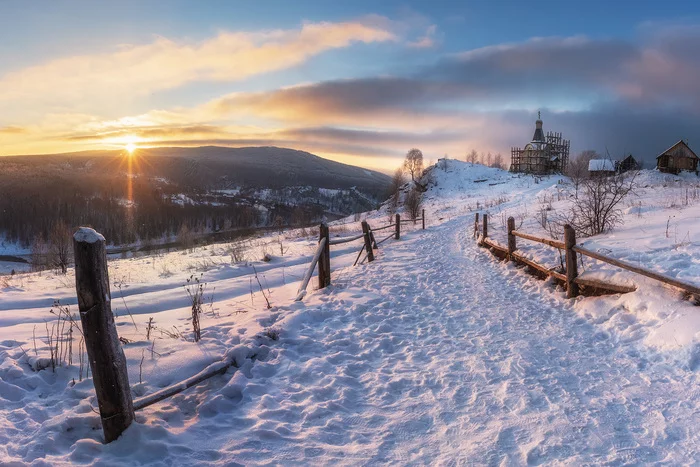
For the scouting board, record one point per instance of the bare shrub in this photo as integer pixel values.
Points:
(60, 246)
(413, 204)
(185, 237)
(577, 168)
(397, 182)
(195, 291)
(596, 207)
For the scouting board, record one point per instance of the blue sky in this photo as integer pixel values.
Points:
(355, 81)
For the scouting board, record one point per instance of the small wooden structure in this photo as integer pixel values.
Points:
(602, 167)
(627, 164)
(677, 158)
(543, 155)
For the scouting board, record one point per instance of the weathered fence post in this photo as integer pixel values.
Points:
(368, 241)
(324, 262)
(423, 217)
(485, 229)
(371, 237)
(511, 237)
(398, 227)
(476, 225)
(106, 356)
(571, 267)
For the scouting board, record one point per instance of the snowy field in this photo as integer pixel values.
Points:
(436, 353)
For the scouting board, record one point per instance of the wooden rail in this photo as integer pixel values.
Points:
(322, 255)
(690, 288)
(571, 277)
(546, 241)
(309, 272)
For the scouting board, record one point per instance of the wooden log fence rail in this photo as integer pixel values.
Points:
(570, 277)
(322, 256)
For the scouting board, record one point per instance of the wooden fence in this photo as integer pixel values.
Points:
(575, 285)
(105, 354)
(322, 257)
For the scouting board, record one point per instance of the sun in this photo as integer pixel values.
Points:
(130, 147)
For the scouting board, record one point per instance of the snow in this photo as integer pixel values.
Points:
(87, 235)
(436, 353)
(601, 165)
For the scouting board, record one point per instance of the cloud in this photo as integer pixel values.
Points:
(139, 70)
(426, 41)
(12, 130)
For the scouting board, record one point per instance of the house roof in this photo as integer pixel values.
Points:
(601, 165)
(677, 144)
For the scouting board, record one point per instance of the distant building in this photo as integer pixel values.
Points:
(627, 164)
(543, 155)
(602, 167)
(677, 158)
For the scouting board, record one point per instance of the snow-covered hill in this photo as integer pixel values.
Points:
(436, 353)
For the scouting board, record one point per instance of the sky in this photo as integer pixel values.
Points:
(359, 82)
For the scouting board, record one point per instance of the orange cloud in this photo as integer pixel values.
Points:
(166, 64)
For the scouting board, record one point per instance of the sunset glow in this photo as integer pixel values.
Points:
(360, 85)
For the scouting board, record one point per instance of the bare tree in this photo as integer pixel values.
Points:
(397, 181)
(577, 169)
(488, 158)
(40, 253)
(185, 237)
(413, 164)
(413, 203)
(596, 207)
(472, 156)
(60, 249)
(498, 161)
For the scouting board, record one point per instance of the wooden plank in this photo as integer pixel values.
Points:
(547, 241)
(598, 284)
(339, 241)
(522, 259)
(309, 272)
(218, 368)
(644, 272)
(107, 360)
(494, 245)
(385, 239)
(382, 228)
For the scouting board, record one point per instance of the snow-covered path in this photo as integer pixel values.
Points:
(436, 354)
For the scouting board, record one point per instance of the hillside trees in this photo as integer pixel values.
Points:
(397, 182)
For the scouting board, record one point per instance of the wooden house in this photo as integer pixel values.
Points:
(677, 158)
(627, 164)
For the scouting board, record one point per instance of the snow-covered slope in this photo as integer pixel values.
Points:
(436, 353)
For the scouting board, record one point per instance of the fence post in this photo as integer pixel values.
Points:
(104, 350)
(371, 237)
(511, 237)
(324, 262)
(423, 217)
(571, 267)
(368, 241)
(485, 229)
(398, 227)
(476, 225)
